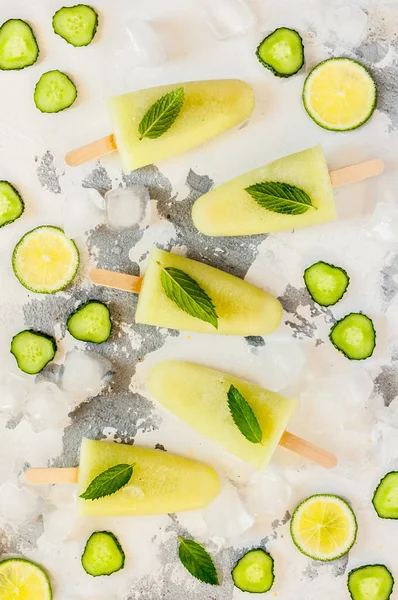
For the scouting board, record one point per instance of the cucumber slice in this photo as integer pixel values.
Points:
(11, 204)
(371, 582)
(45, 260)
(54, 92)
(21, 579)
(326, 283)
(254, 572)
(33, 350)
(76, 24)
(91, 322)
(18, 46)
(103, 555)
(340, 94)
(354, 336)
(385, 498)
(282, 52)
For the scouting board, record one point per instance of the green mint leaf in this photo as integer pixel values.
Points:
(243, 416)
(197, 561)
(188, 295)
(161, 115)
(109, 482)
(281, 198)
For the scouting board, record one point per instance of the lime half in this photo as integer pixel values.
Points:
(340, 94)
(45, 260)
(324, 527)
(23, 580)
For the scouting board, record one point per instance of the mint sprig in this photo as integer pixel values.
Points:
(243, 416)
(281, 198)
(187, 294)
(197, 561)
(109, 482)
(161, 115)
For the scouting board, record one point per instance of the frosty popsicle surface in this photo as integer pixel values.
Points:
(230, 210)
(161, 482)
(242, 308)
(198, 396)
(209, 108)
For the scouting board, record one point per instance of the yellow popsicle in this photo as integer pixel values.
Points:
(198, 396)
(161, 482)
(210, 108)
(230, 210)
(242, 308)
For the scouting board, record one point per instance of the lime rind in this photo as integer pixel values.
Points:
(312, 114)
(34, 567)
(348, 511)
(74, 266)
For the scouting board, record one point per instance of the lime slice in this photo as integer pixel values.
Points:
(45, 260)
(324, 527)
(23, 580)
(340, 94)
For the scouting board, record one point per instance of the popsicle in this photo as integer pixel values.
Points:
(198, 396)
(242, 308)
(236, 208)
(209, 108)
(161, 482)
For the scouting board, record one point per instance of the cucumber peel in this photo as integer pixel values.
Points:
(370, 582)
(90, 322)
(103, 554)
(33, 350)
(282, 52)
(76, 24)
(254, 572)
(54, 92)
(385, 498)
(326, 283)
(354, 335)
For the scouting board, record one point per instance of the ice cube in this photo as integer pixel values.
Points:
(85, 374)
(282, 364)
(389, 414)
(268, 494)
(127, 208)
(384, 448)
(13, 391)
(227, 516)
(140, 47)
(345, 25)
(58, 523)
(46, 407)
(227, 18)
(81, 211)
(17, 504)
(383, 223)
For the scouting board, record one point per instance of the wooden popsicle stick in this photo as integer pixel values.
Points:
(289, 440)
(365, 170)
(94, 150)
(307, 450)
(52, 475)
(118, 281)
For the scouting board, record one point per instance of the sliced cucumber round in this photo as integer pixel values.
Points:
(18, 45)
(54, 92)
(326, 283)
(385, 498)
(22, 579)
(340, 94)
(282, 52)
(254, 572)
(45, 260)
(354, 336)
(76, 24)
(91, 322)
(103, 555)
(33, 350)
(371, 582)
(11, 204)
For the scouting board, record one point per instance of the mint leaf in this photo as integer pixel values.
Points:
(197, 561)
(281, 198)
(109, 482)
(243, 416)
(161, 115)
(188, 295)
